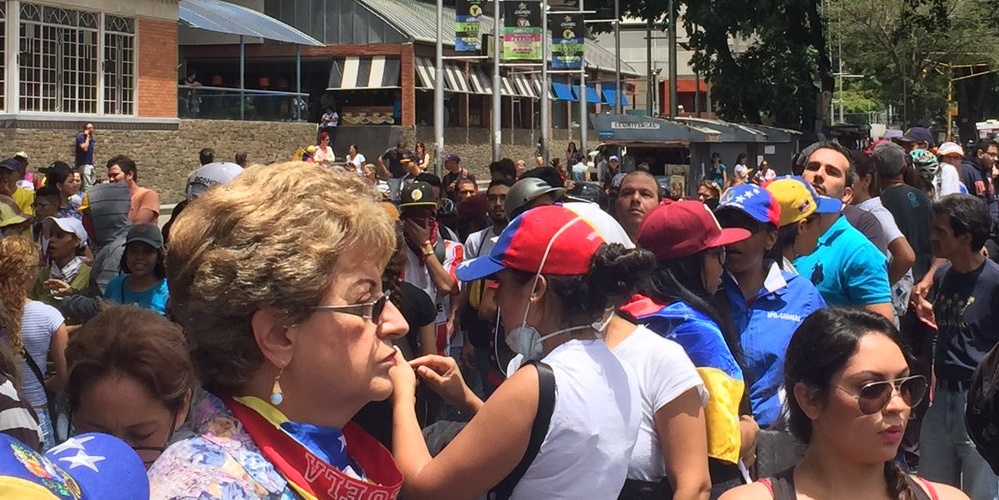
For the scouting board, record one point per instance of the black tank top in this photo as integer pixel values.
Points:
(781, 486)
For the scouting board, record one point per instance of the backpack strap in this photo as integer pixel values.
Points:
(539, 429)
(781, 486)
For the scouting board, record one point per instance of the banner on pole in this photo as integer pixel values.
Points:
(522, 31)
(567, 41)
(468, 15)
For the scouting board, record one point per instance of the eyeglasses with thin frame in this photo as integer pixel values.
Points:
(367, 310)
(720, 252)
(875, 396)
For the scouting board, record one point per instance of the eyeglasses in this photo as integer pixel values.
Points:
(367, 310)
(720, 252)
(875, 396)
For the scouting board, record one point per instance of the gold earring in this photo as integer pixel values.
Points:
(277, 396)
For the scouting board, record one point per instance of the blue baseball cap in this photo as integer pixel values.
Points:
(752, 200)
(88, 467)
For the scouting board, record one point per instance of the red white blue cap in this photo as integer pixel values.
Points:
(574, 232)
(753, 201)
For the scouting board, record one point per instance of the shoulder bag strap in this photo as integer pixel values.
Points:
(546, 406)
(34, 367)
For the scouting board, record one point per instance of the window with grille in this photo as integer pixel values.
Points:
(61, 54)
(119, 65)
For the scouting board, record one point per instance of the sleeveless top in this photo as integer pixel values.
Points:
(781, 486)
(593, 428)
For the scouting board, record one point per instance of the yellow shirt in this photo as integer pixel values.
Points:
(26, 202)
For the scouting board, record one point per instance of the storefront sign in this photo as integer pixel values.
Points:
(567, 41)
(522, 31)
(468, 14)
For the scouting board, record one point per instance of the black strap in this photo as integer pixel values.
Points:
(546, 406)
(34, 367)
(782, 485)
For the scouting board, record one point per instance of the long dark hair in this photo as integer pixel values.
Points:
(821, 346)
(679, 280)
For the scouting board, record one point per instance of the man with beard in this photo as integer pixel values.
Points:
(638, 195)
(846, 267)
(477, 304)
(976, 175)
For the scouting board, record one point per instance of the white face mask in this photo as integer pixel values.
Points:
(526, 340)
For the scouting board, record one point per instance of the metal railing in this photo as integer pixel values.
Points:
(225, 103)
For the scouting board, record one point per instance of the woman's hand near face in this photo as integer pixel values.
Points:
(444, 377)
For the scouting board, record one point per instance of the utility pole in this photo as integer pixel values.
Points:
(648, 68)
(439, 90)
(672, 61)
(583, 115)
(546, 127)
(497, 103)
(617, 58)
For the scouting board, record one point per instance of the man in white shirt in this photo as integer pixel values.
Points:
(329, 123)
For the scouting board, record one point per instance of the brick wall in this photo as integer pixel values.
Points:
(157, 68)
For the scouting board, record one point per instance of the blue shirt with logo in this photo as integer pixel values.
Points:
(847, 268)
(765, 324)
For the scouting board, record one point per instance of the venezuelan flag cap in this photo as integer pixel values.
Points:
(568, 234)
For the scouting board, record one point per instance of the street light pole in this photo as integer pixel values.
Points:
(546, 128)
(497, 104)
(583, 115)
(648, 67)
(617, 57)
(672, 61)
(439, 89)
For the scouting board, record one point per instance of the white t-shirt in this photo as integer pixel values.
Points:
(593, 427)
(663, 372)
(358, 163)
(480, 243)
(741, 170)
(950, 181)
(419, 276)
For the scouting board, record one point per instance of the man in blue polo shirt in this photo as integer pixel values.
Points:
(844, 265)
(767, 303)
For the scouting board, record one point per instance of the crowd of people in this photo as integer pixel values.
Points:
(370, 330)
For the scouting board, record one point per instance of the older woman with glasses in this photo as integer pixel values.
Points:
(290, 335)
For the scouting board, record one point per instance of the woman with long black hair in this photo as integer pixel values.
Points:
(843, 371)
(689, 246)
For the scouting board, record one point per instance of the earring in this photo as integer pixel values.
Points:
(277, 396)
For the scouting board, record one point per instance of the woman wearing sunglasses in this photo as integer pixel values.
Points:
(290, 334)
(689, 246)
(850, 393)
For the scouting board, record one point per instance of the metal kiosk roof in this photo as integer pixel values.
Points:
(628, 129)
(225, 17)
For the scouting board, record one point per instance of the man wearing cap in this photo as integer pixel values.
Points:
(431, 260)
(949, 180)
(638, 195)
(966, 313)
(767, 303)
(84, 148)
(455, 172)
(917, 138)
(606, 170)
(210, 174)
(976, 175)
(12, 222)
(391, 167)
(845, 266)
(528, 193)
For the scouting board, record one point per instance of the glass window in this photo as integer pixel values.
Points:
(59, 61)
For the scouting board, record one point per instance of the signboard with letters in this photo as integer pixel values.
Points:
(522, 31)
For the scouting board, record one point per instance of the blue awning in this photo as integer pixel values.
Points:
(563, 92)
(610, 100)
(225, 17)
(592, 96)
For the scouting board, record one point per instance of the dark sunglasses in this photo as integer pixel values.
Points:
(875, 396)
(367, 310)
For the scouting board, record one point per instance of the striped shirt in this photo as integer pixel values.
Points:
(17, 419)
(40, 322)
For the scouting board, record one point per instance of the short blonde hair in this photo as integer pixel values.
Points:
(272, 236)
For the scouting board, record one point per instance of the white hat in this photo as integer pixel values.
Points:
(210, 175)
(950, 148)
(68, 225)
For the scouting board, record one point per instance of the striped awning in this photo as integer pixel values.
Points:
(536, 83)
(424, 73)
(507, 87)
(454, 77)
(522, 85)
(482, 82)
(360, 73)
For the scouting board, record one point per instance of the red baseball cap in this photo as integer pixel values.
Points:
(680, 229)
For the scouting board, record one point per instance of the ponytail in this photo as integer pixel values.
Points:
(897, 482)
